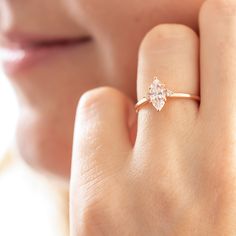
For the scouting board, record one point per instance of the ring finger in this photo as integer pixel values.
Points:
(171, 52)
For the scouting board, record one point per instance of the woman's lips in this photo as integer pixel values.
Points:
(17, 56)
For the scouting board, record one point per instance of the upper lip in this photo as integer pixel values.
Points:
(20, 40)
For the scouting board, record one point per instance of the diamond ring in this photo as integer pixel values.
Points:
(158, 94)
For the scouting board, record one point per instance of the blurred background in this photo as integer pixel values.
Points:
(8, 114)
(25, 200)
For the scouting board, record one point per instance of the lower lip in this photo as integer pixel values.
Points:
(15, 61)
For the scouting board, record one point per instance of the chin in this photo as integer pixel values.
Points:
(45, 144)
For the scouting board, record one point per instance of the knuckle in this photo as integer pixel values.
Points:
(91, 97)
(225, 8)
(97, 97)
(165, 34)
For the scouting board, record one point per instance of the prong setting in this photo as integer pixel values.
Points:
(158, 94)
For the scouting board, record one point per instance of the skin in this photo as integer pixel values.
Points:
(176, 174)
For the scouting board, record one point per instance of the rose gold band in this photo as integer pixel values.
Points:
(144, 101)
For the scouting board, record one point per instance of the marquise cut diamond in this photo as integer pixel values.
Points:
(158, 94)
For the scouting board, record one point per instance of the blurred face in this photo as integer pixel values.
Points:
(53, 51)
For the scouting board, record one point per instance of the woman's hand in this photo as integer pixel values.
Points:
(179, 177)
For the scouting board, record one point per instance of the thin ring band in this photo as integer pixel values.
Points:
(144, 101)
(158, 95)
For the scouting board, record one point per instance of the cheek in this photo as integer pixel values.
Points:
(129, 20)
(106, 17)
